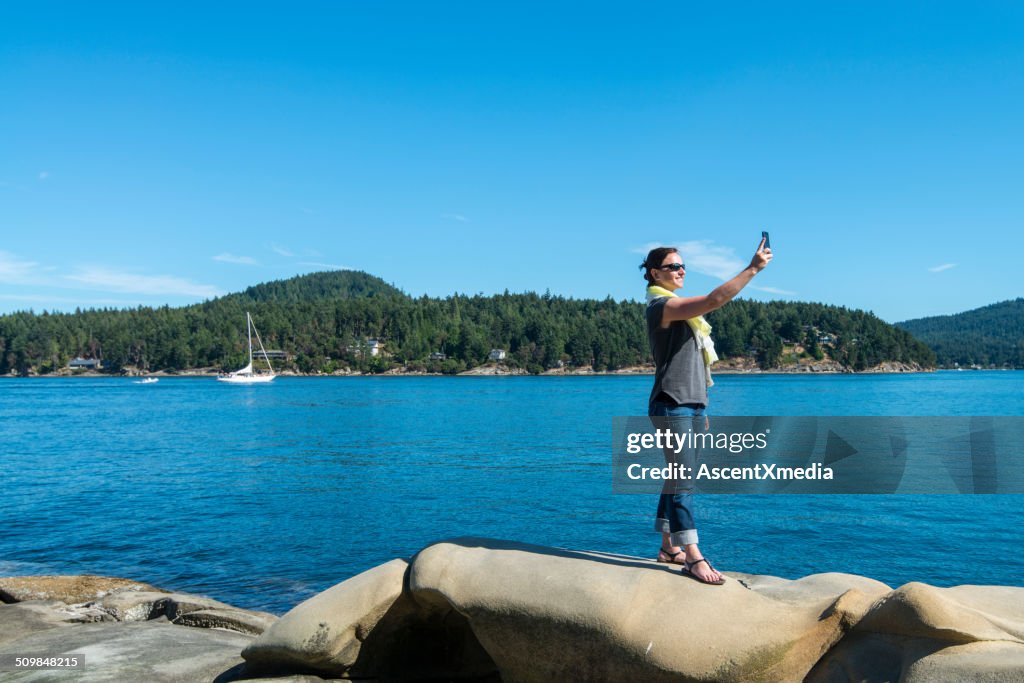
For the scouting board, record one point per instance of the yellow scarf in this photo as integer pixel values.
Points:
(701, 331)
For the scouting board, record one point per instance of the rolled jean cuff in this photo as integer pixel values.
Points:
(684, 537)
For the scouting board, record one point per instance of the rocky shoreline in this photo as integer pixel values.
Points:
(732, 367)
(486, 610)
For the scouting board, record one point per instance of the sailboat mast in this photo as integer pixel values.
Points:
(248, 328)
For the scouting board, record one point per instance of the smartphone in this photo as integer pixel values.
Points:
(767, 240)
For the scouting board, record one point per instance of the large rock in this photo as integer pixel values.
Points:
(142, 651)
(921, 633)
(326, 632)
(544, 614)
(918, 610)
(368, 626)
(473, 608)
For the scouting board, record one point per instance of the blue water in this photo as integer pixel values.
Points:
(262, 496)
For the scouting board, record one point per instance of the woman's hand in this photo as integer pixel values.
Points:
(761, 257)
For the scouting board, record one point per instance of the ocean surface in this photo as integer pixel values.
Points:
(263, 496)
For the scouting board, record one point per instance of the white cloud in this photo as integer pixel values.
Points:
(104, 279)
(307, 211)
(455, 217)
(43, 175)
(944, 266)
(704, 256)
(325, 266)
(15, 271)
(231, 258)
(281, 251)
(774, 290)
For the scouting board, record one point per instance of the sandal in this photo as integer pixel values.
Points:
(687, 566)
(671, 557)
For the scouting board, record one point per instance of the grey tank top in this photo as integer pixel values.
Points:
(678, 361)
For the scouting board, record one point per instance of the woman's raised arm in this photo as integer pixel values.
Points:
(684, 307)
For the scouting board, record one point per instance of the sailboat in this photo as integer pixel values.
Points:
(246, 375)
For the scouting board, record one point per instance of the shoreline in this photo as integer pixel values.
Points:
(505, 371)
(619, 373)
(495, 374)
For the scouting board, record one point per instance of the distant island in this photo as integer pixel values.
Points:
(345, 322)
(991, 336)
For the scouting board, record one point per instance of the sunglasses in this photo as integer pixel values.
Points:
(674, 267)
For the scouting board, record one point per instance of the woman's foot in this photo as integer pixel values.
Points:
(699, 568)
(671, 555)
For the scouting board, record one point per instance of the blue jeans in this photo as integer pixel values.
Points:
(675, 504)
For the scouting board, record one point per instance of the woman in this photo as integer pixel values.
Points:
(683, 354)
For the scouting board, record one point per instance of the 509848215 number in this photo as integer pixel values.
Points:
(23, 662)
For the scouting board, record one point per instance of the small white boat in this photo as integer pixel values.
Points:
(246, 374)
(148, 380)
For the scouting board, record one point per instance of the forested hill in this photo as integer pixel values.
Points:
(339, 284)
(992, 335)
(327, 322)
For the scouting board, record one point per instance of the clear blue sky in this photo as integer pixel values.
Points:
(166, 155)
